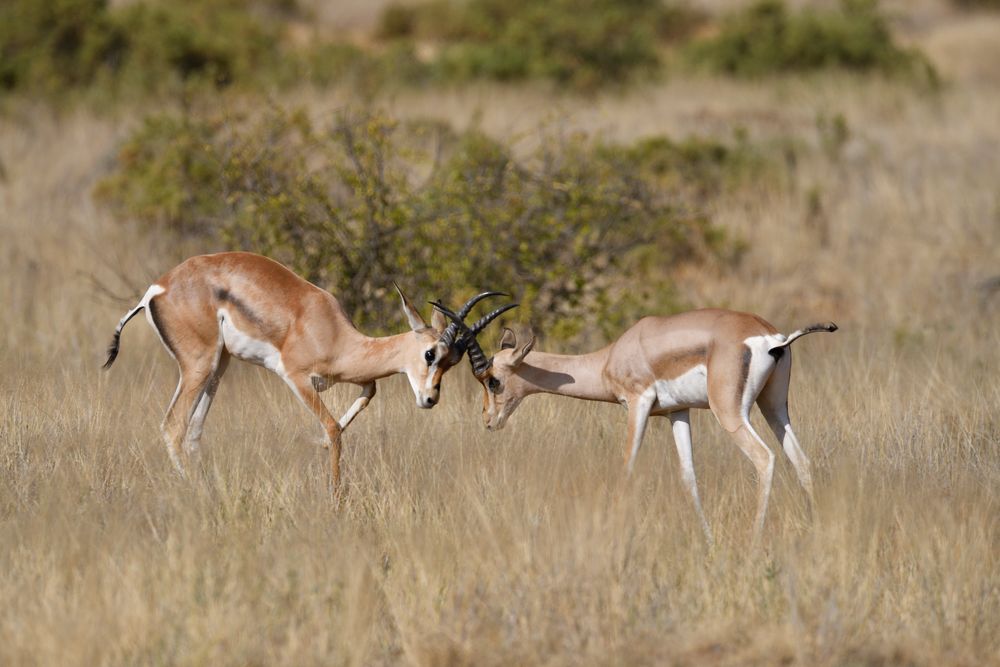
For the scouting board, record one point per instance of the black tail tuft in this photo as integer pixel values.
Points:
(112, 351)
(116, 341)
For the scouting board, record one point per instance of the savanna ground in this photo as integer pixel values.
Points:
(456, 546)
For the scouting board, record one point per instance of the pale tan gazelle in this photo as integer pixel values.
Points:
(212, 307)
(716, 359)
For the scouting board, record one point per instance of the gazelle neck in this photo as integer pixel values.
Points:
(579, 376)
(375, 358)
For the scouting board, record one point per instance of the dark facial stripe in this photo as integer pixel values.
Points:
(225, 295)
(744, 374)
(158, 322)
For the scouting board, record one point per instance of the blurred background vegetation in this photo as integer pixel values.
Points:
(150, 47)
(354, 197)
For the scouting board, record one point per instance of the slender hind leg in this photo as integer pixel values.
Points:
(735, 377)
(194, 375)
(197, 360)
(173, 451)
(193, 441)
(681, 422)
(773, 403)
(763, 460)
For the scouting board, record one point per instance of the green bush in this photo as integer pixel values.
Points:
(217, 42)
(58, 44)
(581, 44)
(163, 174)
(766, 38)
(578, 230)
(165, 46)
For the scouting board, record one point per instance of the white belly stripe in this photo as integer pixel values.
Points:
(688, 390)
(243, 346)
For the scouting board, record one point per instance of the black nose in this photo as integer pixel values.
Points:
(431, 401)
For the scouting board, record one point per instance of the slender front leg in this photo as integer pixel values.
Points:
(681, 423)
(302, 385)
(360, 403)
(638, 415)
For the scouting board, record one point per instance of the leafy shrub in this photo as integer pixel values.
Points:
(158, 46)
(397, 22)
(163, 175)
(52, 45)
(766, 38)
(214, 41)
(582, 44)
(700, 167)
(572, 229)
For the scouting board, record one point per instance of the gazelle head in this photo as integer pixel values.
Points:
(435, 348)
(502, 388)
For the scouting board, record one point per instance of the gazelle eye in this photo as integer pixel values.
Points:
(429, 356)
(493, 385)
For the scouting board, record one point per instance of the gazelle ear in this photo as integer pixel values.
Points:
(520, 354)
(412, 314)
(439, 321)
(507, 340)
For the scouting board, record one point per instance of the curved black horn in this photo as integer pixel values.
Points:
(448, 335)
(467, 308)
(480, 362)
(455, 318)
(457, 322)
(481, 323)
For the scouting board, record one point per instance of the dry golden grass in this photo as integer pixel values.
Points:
(455, 546)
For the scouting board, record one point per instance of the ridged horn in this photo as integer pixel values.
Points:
(483, 321)
(467, 308)
(448, 335)
(480, 364)
(478, 359)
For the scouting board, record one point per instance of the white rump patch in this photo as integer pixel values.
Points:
(156, 290)
(761, 366)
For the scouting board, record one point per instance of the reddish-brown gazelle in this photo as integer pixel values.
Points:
(716, 359)
(235, 304)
